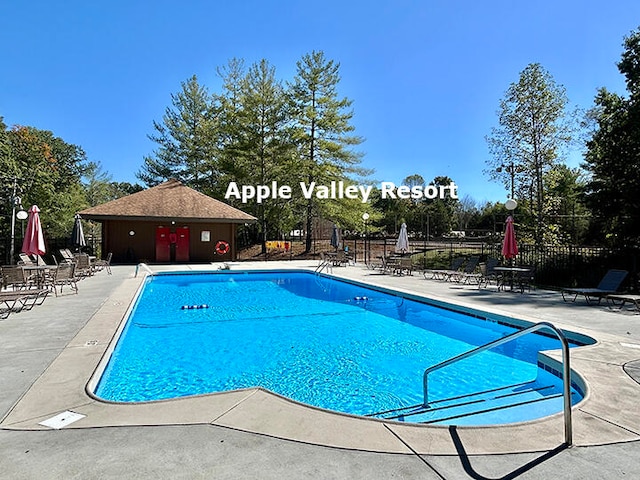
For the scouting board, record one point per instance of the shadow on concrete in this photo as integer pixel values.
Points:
(468, 468)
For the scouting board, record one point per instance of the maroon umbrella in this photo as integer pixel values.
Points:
(509, 246)
(33, 243)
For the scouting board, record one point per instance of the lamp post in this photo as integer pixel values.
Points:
(365, 217)
(511, 169)
(21, 215)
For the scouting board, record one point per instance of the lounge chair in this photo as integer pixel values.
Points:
(466, 274)
(20, 300)
(67, 256)
(436, 274)
(24, 259)
(623, 298)
(608, 286)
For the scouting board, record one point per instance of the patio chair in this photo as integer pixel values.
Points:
(83, 265)
(340, 259)
(390, 264)
(608, 286)
(15, 278)
(64, 274)
(524, 280)
(488, 273)
(104, 264)
(405, 266)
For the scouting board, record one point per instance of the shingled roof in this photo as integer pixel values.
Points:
(170, 200)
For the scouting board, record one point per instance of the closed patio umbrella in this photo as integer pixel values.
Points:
(77, 234)
(335, 237)
(509, 245)
(402, 244)
(33, 243)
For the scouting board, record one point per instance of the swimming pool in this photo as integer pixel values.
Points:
(324, 342)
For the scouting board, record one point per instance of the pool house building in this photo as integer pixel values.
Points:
(168, 223)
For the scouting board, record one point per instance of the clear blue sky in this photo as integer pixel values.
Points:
(425, 76)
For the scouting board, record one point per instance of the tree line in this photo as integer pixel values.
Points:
(258, 129)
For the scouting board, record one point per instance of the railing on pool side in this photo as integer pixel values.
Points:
(566, 369)
(143, 266)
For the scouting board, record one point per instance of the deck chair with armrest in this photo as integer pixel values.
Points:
(15, 278)
(488, 273)
(63, 274)
(607, 286)
(405, 266)
(104, 264)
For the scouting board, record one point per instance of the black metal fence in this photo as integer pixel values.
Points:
(555, 266)
(53, 245)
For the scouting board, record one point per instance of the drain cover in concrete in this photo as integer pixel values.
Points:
(62, 420)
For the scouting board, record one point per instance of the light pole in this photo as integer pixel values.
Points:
(511, 169)
(21, 215)
(365, 217)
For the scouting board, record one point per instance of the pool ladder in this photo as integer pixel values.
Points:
(143, 266)
(566, 369)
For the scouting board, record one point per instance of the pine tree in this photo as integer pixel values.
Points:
(186, 140)
(264, 150)
(322, 130)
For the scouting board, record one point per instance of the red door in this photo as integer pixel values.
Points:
(163, 245)
(182, 244)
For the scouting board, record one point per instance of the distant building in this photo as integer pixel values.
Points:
(168, 223)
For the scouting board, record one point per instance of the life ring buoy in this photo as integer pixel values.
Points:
(222, 247)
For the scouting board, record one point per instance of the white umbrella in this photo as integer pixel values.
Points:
(402, 244)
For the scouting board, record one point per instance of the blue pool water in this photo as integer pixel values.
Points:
(317, 340)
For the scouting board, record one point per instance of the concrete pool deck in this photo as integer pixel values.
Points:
(49, 354)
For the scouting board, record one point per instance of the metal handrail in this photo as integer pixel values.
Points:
(566, 369)
(143, 266)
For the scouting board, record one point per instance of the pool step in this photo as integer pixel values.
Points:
(389, 413)
(489, 406)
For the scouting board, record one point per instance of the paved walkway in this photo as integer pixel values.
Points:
(34, 344)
